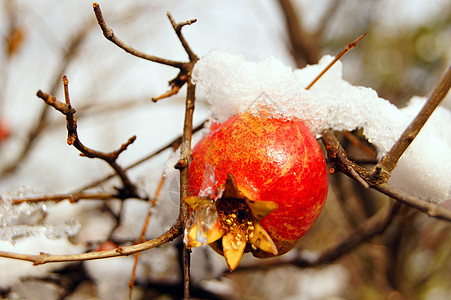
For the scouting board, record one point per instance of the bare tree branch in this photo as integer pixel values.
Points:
(109, 35)
(382, 171)
(304, 46)
(182, 165)
(73, 197)
(129, 189)
(174, 144)
(178, 30)
(341, 163)
(43, 258)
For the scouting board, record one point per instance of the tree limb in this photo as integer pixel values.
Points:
(109, 35)
(43, 258)
(129, 189)
(382, 171)
(341, 163)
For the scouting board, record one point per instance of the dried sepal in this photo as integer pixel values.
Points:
(261, 209)
(231, 189)
(233, 246)
(196, 202)
(215, 232)
(192, 238)
(261, 239)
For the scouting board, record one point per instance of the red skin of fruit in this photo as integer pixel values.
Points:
(272, 159)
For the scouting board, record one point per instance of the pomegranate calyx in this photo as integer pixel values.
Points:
(237, 223)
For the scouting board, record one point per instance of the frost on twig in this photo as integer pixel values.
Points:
(28, 219)
(25, 228)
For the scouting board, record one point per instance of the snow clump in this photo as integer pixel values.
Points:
(233, 85)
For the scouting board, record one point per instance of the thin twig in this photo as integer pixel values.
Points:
(381, 172)
(340, 55)
(142, 236)
(178, 30)
(174, 144)
(129, 189)
(73, 198)
(43, 258)
(431, 209)
(109, 35)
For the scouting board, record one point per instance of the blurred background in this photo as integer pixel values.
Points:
(406, 50)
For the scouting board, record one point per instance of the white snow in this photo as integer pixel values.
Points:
(234, 85)
(111, 275)
(32, 245)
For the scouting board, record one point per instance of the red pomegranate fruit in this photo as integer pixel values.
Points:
(257, 183)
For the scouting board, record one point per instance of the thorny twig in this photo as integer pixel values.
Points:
(340, 55)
